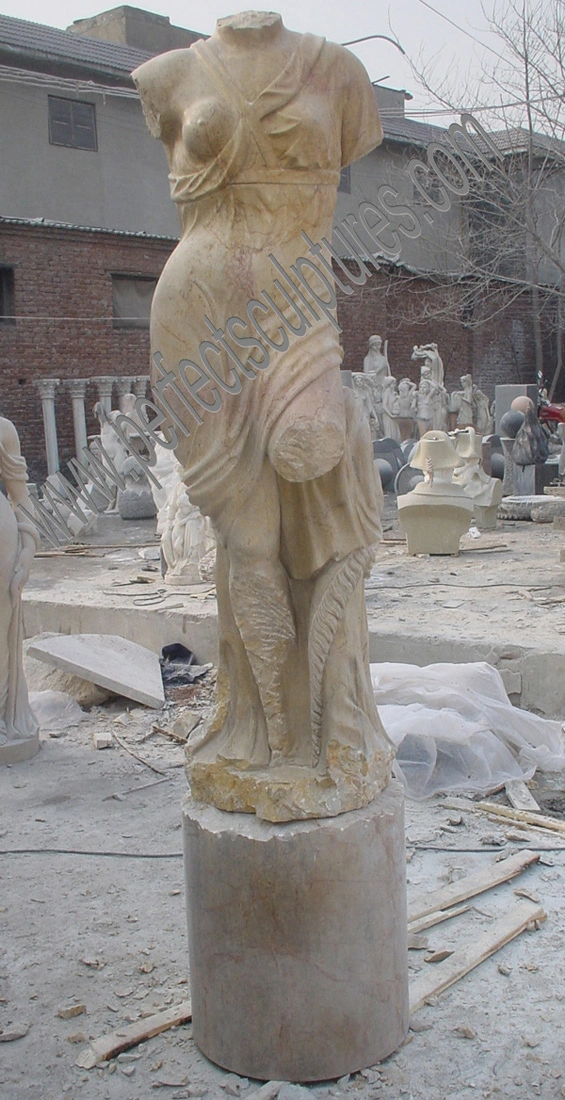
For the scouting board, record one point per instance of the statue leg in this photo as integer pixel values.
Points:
(262, 607)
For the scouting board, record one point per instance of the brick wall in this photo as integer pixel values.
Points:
(406, 309)
(64, 327)
(63, 301)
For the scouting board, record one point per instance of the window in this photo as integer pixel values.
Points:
(131, 300)
(7, 296)
(72, 123)
(345, 180)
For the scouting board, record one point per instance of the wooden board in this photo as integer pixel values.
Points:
(108, 1046)
(472, 885)
(437, 918)
(430, 983)
(541, 822)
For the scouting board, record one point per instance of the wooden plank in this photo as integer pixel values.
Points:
(520, 796)
(484, 944)
(472, 885)
(530, 818)
(108, 1046)
(436, 918)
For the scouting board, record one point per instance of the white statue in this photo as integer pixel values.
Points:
(484, 491)
(437, 511)
(424, 405)
(267, 453)
(390, 413)
(407, 399)
(369, 393)
(376, 361)
(469, 407)
(186, 535)
(19, 733)
(432, 359)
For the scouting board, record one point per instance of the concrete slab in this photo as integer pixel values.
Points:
(122, 666)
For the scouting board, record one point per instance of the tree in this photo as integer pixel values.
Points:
(512, 239)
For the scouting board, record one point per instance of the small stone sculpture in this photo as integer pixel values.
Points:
(19, 732)
(484, 491)
(407, 391)
(376, 361)
(186, 535)
(437, 511)
(469, 407)
(432, 359)
(390, 406)
(369, 393)
(530, 445)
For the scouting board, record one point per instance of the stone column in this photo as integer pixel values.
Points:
(105, 384)
(297, 939)
(123, 386)
(77, 390)
(140, 385)
(47, 387)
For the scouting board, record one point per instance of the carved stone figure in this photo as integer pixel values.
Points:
(407, 391)
(390, 412)
(186, 535)
(432, 359)
(484, 491)
(257, 122)
(376, 361)
(437, 511)
(469, 407)
(19, 732)
(369, 393)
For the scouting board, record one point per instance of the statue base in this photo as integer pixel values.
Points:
(15, 752)
(297, 939)
(291, 792)
(434, 524)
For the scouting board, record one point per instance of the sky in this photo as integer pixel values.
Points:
(422, 32)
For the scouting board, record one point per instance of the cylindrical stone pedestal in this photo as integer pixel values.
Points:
(297, 939)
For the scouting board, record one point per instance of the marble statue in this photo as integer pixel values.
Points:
(407, 391)
(432, 359)
(437, 511)
(257, 122)
(19, 732)
(186, 535)
(469, 407)
(484, 491)
(369, 393)
(390, 407)
(376, 361)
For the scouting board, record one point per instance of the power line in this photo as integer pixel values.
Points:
(463, 31)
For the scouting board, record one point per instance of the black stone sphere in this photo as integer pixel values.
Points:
(386, 472)
(511, 423)
(497, 465)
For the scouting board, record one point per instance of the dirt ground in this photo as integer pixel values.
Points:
(92, 908)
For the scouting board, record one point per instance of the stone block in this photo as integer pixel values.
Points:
(297, 939)
(124, 667)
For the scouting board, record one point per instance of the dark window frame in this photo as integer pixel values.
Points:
(7, 306)
(73, 139)
(130, 323)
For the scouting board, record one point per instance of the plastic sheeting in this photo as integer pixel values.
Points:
(456, 729)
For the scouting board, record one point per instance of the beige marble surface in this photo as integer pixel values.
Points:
(257, 123)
